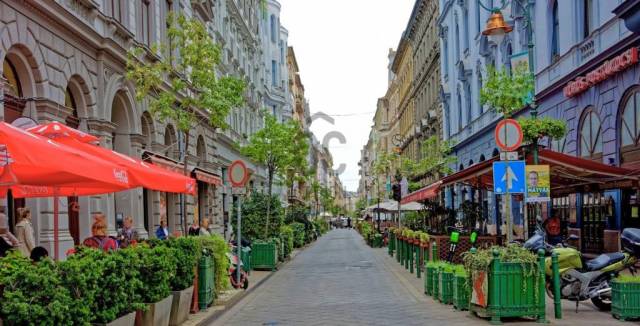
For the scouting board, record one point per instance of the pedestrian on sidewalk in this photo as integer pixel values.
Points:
(128, 235)
(194, 229)
(24, 232)
(7, 240)
(99, 238)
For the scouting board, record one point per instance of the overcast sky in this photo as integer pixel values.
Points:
(341, 47)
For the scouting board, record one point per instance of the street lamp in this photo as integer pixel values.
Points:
(496, 27)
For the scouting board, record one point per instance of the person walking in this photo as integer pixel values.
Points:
(128, 235)
(99, 238)
(24, 232)
(7, 240)
(194, 229)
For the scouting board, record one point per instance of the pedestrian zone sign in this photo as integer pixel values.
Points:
(509, 176)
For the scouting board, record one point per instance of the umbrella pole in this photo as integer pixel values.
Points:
(56, 240)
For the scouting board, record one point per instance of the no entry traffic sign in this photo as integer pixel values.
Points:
(238, 174)
(508, 134)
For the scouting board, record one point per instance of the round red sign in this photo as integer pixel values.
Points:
(238, 174)
(508, 135)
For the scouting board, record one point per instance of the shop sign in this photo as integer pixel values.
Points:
(605, 71)
(538, 183)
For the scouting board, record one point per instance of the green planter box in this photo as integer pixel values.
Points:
(625, 300)
(392, 243)
(435, 284)
(445, 287)
(206, 284)
(428, 280)
(377, 241)
(511, 290)
(461, 292)
(264, 255)
(245, 256)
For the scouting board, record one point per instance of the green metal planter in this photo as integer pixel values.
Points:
(511, 290)
(625, 300)
(435, 284)
(264, 255)
(391, 245)
(428, 280)
(245, 256)
(206, 284)
(377, 241)
(461, 292)
(445, 286)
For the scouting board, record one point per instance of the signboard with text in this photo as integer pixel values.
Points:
(538, 183)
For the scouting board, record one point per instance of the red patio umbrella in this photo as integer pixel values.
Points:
(141, 174)
(28, 160)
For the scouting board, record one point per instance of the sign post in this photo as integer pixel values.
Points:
(238, 176)
(508, 137)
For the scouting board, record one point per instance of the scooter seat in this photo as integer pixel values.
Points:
(604, 260)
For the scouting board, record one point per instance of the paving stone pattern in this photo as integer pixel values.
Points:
(339, 280)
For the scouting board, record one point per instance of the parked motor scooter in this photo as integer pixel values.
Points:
(234, 263)
(582, 279)
(454, 239)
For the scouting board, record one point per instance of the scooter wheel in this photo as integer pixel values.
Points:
(604, 304)
(246, 284)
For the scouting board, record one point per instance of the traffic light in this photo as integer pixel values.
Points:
(397, 192)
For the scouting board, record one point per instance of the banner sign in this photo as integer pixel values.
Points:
(538, 183)
(603, 72)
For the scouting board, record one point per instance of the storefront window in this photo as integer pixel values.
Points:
(590, 135)
(630, 126)
(12, 87)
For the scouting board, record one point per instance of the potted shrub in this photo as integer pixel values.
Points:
(117, 295)
(461, 289)
(187, 251)
(32, 294)
(496, 272)
(625, 297)
(157, 269)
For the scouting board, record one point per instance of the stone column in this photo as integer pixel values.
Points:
(102, 203)
(137, 200)
(43, 224)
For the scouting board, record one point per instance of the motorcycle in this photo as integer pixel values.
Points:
(582, 279)
(234, 263)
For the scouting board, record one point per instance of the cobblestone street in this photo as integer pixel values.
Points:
(339, 281)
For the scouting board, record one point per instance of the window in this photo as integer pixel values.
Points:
(587, 18)
(478, 24)
(467, 101)
(273, 110)
(274, 71)
(12, 86)
(457, 49)
(273, 28)
(590, 135)
(116, 10)
(145, 24)
(479, 74)
(459, 111)
(447, 119)
(555, 30)
(630, 119)
(467, 33)
(445, 56)
(507, 59)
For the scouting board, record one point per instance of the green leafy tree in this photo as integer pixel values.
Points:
(507, 93)
(279, 147)
(327, 199)
(182, 84)
(535, 129)
(253, 222)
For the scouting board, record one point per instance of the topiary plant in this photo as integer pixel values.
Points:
(157, 270)
(218, 247)
(81, 275)
(187, 253)
(32, 294)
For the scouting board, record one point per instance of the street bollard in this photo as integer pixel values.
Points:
(418, 260)
(542, 318)
(494, 287)
(557, 305)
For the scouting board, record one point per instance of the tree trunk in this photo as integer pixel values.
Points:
(269, 186)
(186, 173)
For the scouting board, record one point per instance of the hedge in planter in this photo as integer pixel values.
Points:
(33, 294)
(501, 270)
(286, 234)
(461, 288)
(264, 255)
(445, 283)
(216, 245)
(431, 280)
(187, 251)
(625, 297)
(298, 234)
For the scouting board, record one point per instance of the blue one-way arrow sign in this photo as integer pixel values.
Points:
(508, 175)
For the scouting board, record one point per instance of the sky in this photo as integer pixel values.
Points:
(341, 47)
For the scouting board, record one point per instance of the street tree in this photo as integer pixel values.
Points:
(280, 148)
(180, 80)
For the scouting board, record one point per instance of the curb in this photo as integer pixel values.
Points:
(233, 301)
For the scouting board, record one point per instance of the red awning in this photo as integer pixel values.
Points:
(427, 192)
(477, 175)
(31, 160)
(141, 174)
(207, 177)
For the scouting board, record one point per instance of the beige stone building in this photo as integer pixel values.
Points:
(65, 61)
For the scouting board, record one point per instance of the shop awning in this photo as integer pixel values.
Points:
(427, 192)
(568, 173)
(392, 206)
(141, 174)
(207, 177)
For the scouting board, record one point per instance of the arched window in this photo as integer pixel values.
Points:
(480, 85)
(459, 111)
(555, 33)
(445, 54)
(467, 33)
(481, 158)
(70, 102)
(273, 23)
(467, 101)
(590, 135)
(507, 59)
(457, 49)
(630, 126)
(170, 139)
(587, 18)
(12, 86)
(460, 168)
(495, 152)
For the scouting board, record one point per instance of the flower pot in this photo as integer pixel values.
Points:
(625, 299)
(126, 320)
(180, 305)
(157, 314)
